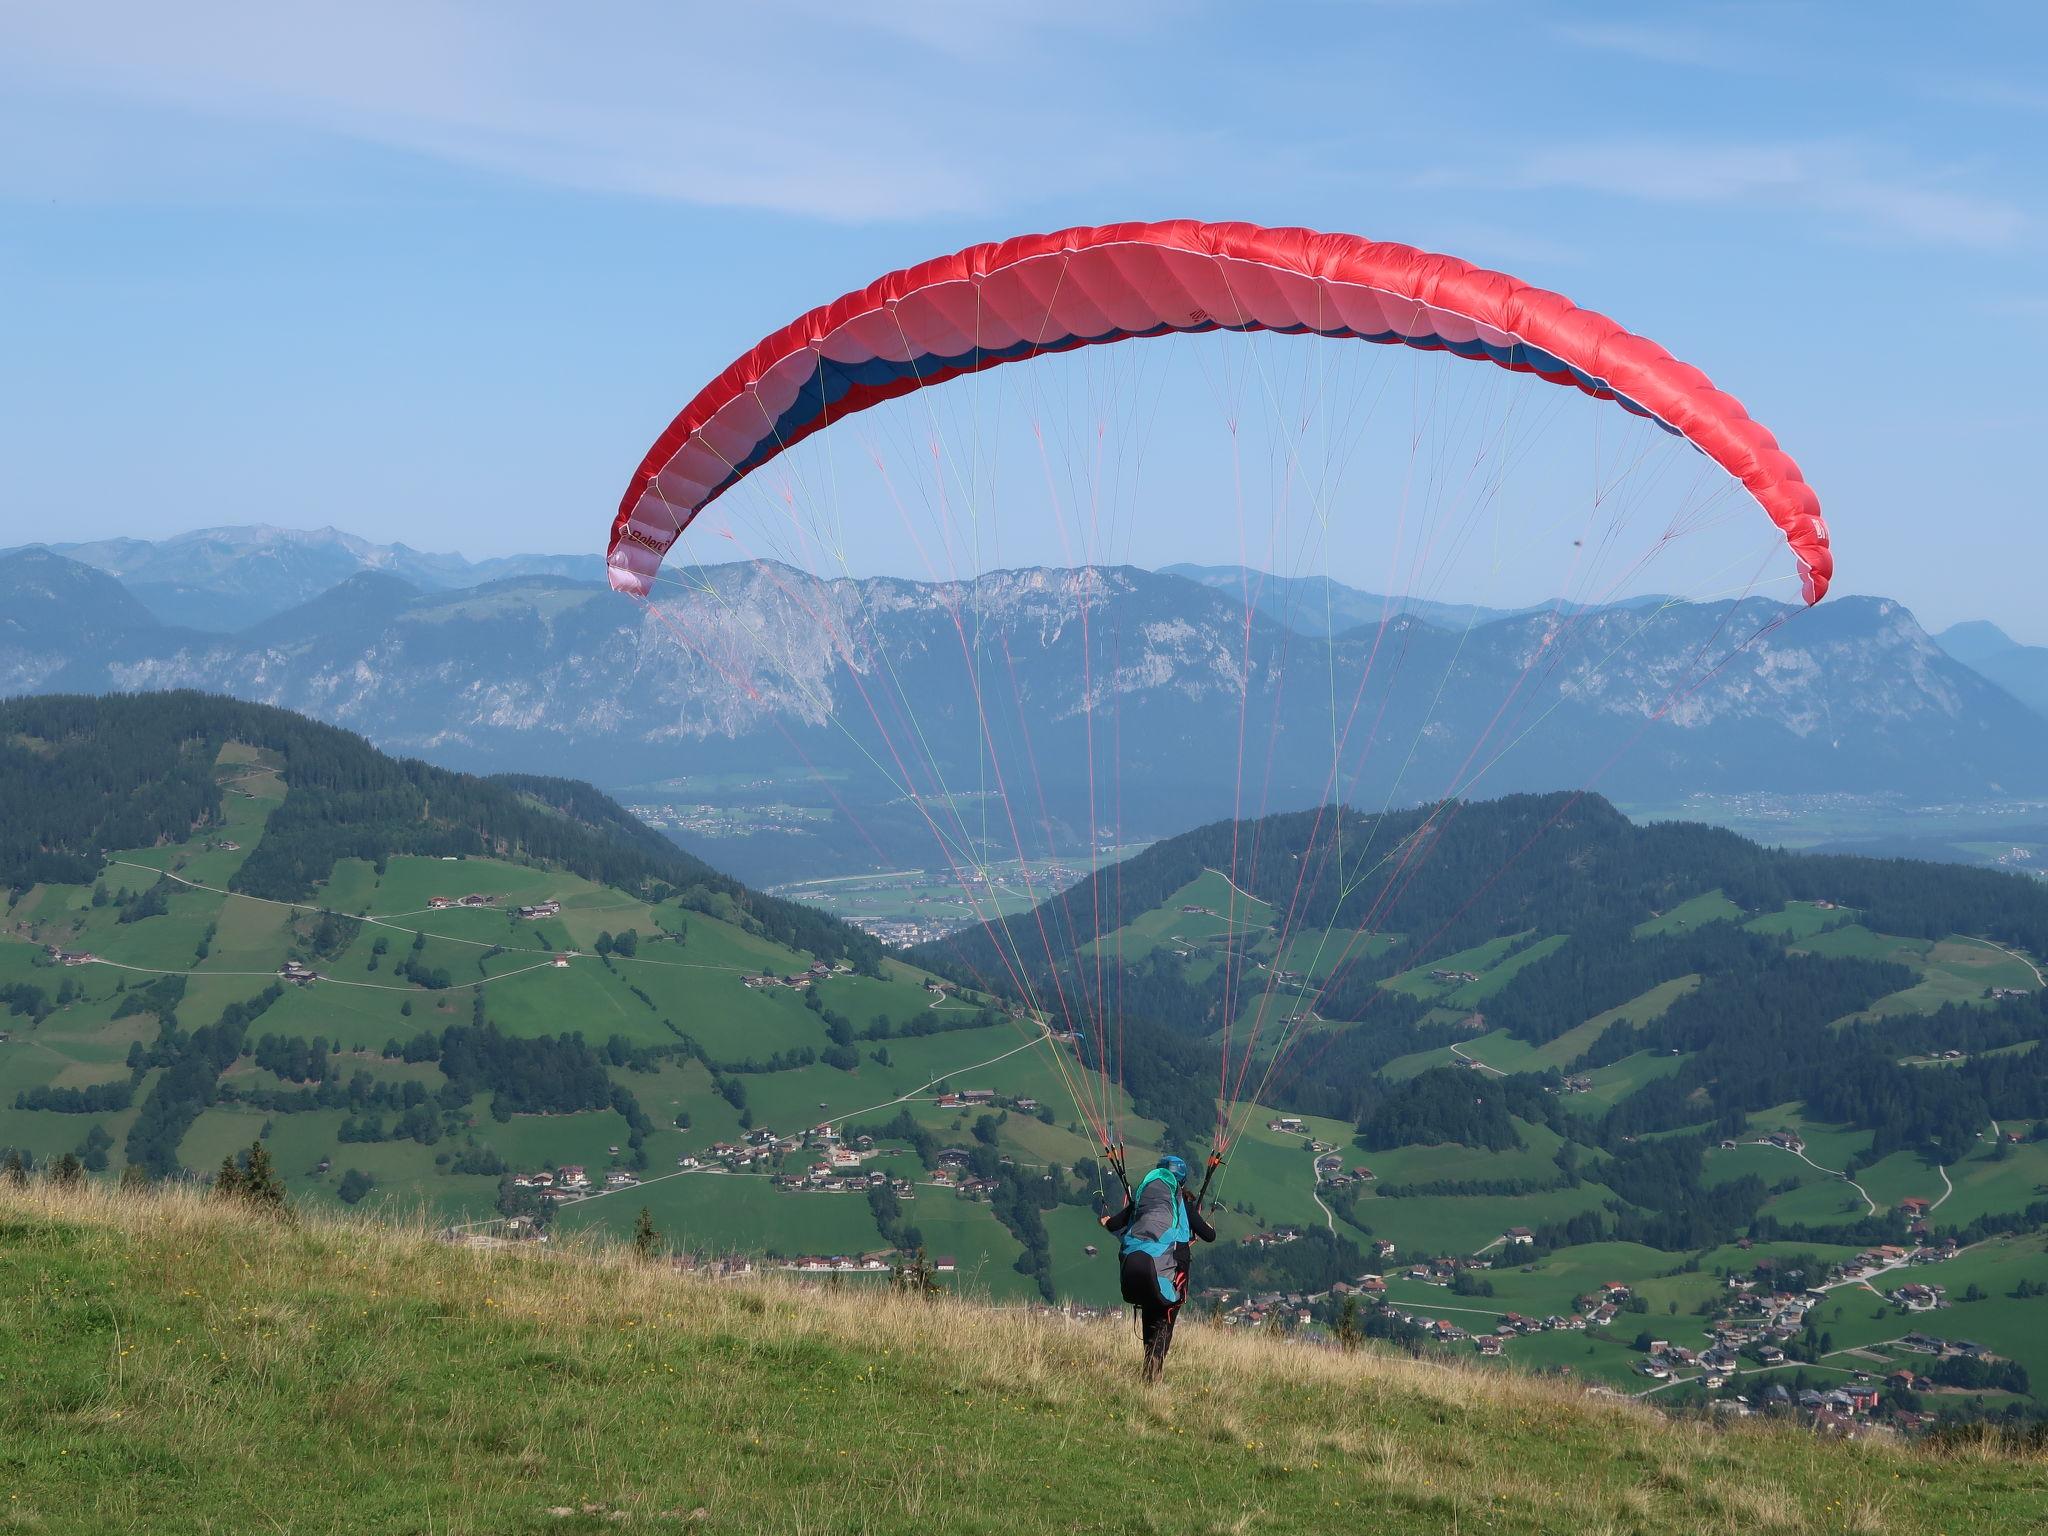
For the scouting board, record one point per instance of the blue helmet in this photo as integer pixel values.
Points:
(1176, 1166)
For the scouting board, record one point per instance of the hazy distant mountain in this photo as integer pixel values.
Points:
(225, 579)
(563, 676)
(56, 614)
(2021, 670)
(1319, 605)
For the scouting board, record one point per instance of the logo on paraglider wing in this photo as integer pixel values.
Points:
(648, 540)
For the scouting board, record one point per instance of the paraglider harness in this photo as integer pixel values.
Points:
(1155, 1255)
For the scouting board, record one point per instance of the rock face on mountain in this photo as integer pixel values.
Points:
(895, 684)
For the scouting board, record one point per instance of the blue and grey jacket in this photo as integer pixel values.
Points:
(1155, 1229)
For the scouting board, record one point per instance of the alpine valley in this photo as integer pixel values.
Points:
(1681, 1113)
(740, 718)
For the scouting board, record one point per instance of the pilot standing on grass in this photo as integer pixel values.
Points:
(1155, 1227)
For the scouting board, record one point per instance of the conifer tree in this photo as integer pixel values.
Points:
(645, 1239)
(228, 1182)
(14, 1171)
(260, 1184)
(68, 1172)
(1349, 1334)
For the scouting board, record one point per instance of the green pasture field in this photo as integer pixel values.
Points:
(1499, 1049)
(706, 1212)
(1316, 954)
(1853, 941)
(1273, 1173)
(1588, 1357)
(49, 1133)
(1481, 958)
(794, 1099)
(1076, 1274)
(1831, 1146)
(2009, 1326)
(1452, 1161)
(1773, 1165)
(1823, 1203)
(1959, 970)
(1800, 920)
(1553, 1285)
(1466, 1223)
(1617, 1080)
(549, 1141)
(1892, 1179)
(1695, 912)
(1474, 993)
(1986, 1183)
(1224, 912)
(983, 1251)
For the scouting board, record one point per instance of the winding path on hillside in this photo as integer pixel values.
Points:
(324, 980)
(386, 922)
(2039, 979)
(1947, 1189)
(1315, 1192)
(1831, 1172)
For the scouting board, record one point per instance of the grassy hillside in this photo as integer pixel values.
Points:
(177, 1047)
(344, 1080)
(177, 1364)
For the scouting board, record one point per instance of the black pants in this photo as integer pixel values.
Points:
(1140, 1277)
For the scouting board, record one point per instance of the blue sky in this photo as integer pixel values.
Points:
(440, 272)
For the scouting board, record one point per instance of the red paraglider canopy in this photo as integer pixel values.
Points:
(1021, 298)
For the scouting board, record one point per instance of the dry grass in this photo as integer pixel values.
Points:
(346, 1374)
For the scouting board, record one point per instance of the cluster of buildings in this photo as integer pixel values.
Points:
(572, 1181)
(881, 1263)
(70, 956)
(474, 899)
(761, 1149)
(1277, 1237)
(838, 1163)
(541, 909)
(799, 980)
(908, 932)
(730, 821)
(1330, 1169)
(969, 1098)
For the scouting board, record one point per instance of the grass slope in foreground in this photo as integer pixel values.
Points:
(177, 1364)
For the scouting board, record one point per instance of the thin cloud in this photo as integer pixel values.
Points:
(1975, 91)
(696, 104)
(1654, 44)
(1831, 180)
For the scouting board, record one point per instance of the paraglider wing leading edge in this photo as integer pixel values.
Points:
(1016, 299)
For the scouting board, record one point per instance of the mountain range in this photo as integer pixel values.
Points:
(221, 580)
(1321, 605)
(2021, 670)
(780, 683)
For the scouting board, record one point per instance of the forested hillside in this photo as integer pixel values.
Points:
(79, 774)
(1564, 1051)
(227, 927)
(1545, 1031)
